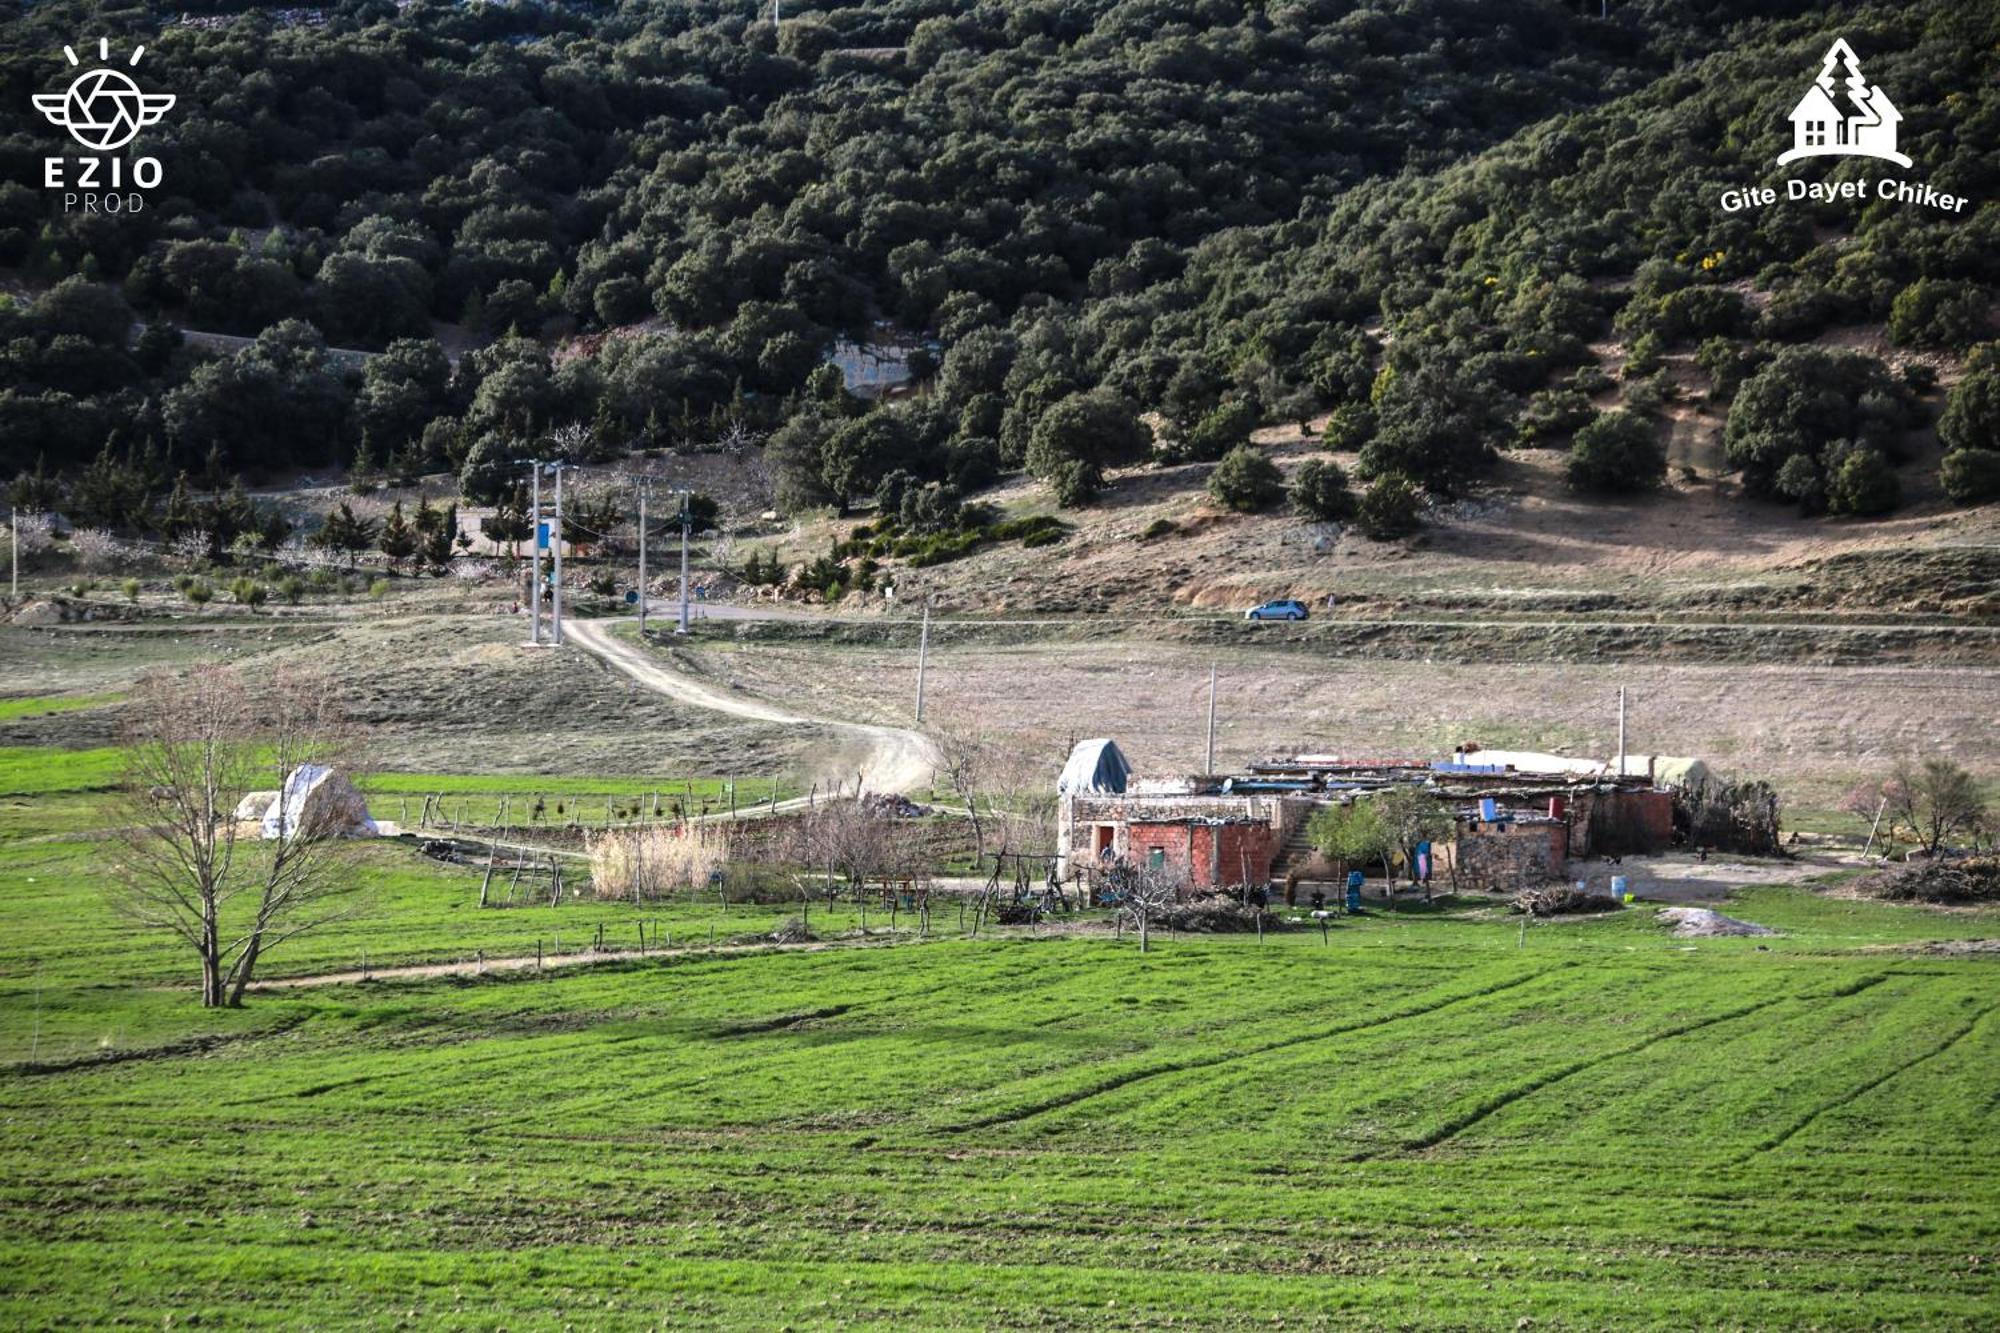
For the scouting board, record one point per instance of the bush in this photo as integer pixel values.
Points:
(1319, 491)
(1246, 481)
(247, 592)
(379, 589)
(1349, 428)
(1159, 527)
(1225, 429)
(198, 592)
(1971, 476)
(1863, 484)
(1934, 312)
(1644, 357)
(1554, 412)
(1075, 482)
(1971, 418)
(130, 587)
(1806, 397)
(1700, 312)
(1618, 452)
(292, 588)
(1437, 424)
(1388, 509)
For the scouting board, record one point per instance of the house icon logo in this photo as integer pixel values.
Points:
(1844, 115)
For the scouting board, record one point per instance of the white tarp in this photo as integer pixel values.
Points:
(1094, 767)
(315, 796)
(1533, 761)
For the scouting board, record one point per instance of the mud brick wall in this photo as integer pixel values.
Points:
(1503, 858)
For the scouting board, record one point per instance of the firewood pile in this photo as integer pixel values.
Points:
(1970, 879)
(1562, 900)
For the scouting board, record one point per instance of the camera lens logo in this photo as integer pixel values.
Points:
(103, 109)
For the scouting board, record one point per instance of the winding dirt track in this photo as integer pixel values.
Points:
(888, 759)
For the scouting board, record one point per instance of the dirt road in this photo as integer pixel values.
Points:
(884, 758)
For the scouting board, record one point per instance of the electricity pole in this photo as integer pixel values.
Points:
(14, 540)
(556, 540)
(642, 559)
(1211, 721)
(686, 518)
(923, 656)
(535, 549)
(1621, 731)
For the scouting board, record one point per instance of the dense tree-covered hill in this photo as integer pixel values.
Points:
(1216, 212)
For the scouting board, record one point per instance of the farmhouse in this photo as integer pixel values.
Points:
(1519, 817)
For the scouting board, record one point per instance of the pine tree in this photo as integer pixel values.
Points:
(179, 516)
(437, 542)
(398, 541)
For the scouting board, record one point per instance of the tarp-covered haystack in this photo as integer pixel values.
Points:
(320, 801)
(1094, 767)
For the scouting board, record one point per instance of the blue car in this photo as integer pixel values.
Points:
(1282, 609)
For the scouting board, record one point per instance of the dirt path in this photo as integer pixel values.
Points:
(885, 758)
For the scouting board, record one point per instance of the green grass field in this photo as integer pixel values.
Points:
(1433, 1120)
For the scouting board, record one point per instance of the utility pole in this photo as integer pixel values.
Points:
(556, 540)
(923, 656)
(14, 540)
(1621, 731)
(1211, 721)
(535, 547)
(686, 518)
(642, 558)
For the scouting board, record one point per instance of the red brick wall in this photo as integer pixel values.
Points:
(1214, 855)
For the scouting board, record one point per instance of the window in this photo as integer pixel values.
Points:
(1815, 134)
(1156, 859)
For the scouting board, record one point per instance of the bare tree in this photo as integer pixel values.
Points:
(1154, 889)
(962, 767)
(1936, 800)
(195, 747)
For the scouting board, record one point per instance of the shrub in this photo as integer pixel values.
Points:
(1971, 418)
(1554, 412)
(1319, 491)
(1863, 484)
(603, 583)
(130, 587)
(1971, 476)
(1225, 429)
(1617, 452)
(1246, 481)
(379, 589)
(1644, 356)
(1805, 397)
(1075, 482)
(1700, 312)
(1936, 312)
(292, 588)
(1728, 364)
(1159, 527)
(1388, 509)
(247, 592)
(1350, 427)
(199, 592)
(1437, 425)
